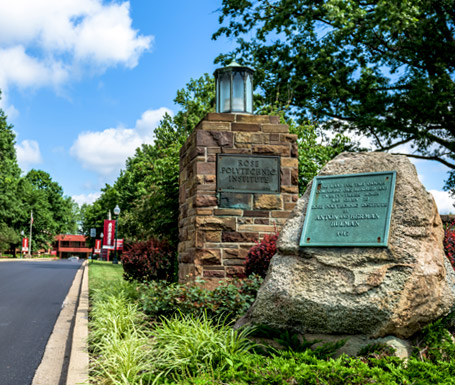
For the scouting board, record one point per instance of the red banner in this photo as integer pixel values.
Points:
(119, 244)
(109, 234)
(97, 246)
(24, 244)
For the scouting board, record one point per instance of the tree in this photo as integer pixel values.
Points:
(53, 213)
(382, 68)
(10, 204)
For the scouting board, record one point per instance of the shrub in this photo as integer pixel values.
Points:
(230, 300)
(449, 242)
(147, 261)
(259, 256)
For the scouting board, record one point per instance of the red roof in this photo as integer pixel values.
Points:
(70, 237)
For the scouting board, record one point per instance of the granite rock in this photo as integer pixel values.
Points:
(369, 291)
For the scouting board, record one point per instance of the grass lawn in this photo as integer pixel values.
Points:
(100, 272)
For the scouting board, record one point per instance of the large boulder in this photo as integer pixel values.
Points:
(369, 291)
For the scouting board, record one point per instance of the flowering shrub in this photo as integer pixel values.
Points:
(449, 242)
(230, 300)
(259, 256)
(149, 260)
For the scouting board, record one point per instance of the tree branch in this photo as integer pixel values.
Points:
(437, 158)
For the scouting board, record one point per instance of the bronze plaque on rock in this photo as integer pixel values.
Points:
(247, 174)
(349, 210)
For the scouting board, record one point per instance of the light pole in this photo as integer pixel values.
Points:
(100, 257)
(116, 213)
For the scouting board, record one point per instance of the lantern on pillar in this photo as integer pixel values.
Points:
(234, 89)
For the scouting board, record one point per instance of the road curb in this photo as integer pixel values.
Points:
(79, 361)
(54, 364)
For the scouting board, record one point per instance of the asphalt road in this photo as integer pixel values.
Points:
(31, 297)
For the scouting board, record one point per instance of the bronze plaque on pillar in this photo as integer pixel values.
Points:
(247, 174)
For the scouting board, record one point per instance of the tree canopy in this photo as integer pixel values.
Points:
(382, 68)
(52, 211)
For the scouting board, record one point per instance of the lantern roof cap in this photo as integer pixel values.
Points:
(233, 64)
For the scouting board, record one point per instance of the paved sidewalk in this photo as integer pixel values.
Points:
(65, 360)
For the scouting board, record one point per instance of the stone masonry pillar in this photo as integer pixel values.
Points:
(217, 229)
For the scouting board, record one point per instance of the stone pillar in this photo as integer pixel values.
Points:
(216, 230)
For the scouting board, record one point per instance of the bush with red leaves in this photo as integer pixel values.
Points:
(449, 242)
(148, 261)
(259, 256)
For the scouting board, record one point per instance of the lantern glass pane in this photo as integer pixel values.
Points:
(238, 93)
(225, 93)
(249, 94)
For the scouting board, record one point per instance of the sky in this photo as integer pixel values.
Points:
(85, 82)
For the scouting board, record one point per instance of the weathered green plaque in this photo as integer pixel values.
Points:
(247, 174)
(349, 210)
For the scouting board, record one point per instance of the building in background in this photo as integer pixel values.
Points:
(66, 246)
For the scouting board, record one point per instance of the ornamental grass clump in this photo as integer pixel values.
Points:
(184, 346)
(119, 339)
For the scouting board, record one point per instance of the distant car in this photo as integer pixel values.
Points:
(73, 258)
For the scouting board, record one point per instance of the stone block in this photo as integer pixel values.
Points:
(295, 176)
(236, 150)
(294, 150)
(262, 221)
(215, 223)
(251, 137)
(289, 206)
(235, 201)
(258, 228)
(275, 128)
(268, 202)
(203, 212)
(209, 178)
(228, 212)
(208, 257)
(205, 168)
(213, 273)
(248, 127)
(285, 176)
(270, 149)
(235, 272)
(289, 162)
(234, 262)
(237, 237)
(256, 213)
(288, 138)
(213, 126)
(290, 189)
(252, 118)
(219, 117)
(274, 119)
(245, 221)
(205, 200)
(214, 138)
(212, 236)
(231, 253)
(280, 214)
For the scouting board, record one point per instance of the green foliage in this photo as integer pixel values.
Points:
(384, 69)
(118, 340)
(230, 300)
(188, 346)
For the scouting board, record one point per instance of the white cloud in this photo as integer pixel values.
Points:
(86, 198)
(444, 201)
(28, 154)
(48, 42)
(105, 152)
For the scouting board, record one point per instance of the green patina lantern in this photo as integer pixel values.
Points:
(234, 89)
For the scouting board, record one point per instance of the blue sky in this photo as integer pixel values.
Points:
(85, 82)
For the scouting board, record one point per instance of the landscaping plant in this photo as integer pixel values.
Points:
(259, 256)
(149, 260)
